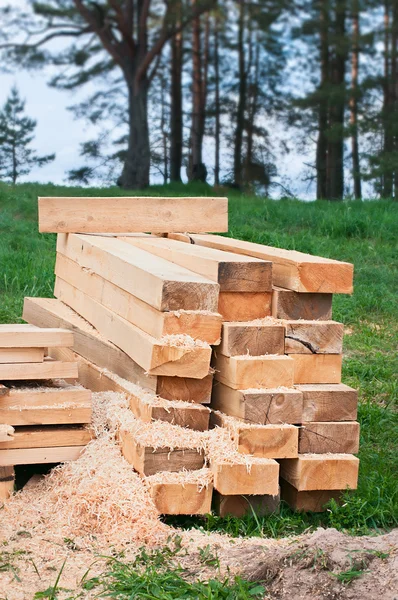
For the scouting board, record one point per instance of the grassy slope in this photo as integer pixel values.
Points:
(362, 233)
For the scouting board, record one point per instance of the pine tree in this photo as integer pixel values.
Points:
(16, 136)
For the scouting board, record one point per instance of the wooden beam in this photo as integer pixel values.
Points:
(254, 372)
(313, 337)
(174, 496)
(48, 437)
(291, 269)
(334, 437)
(7, 480)
(287, 304)
(192, 416)
(21, 355)
(201, 325)
(308, 501)
(60, 404)
(263, 406)
(37, 456)
(158, 357)
(240, 506)
(49, 369)
(317, 368)
(244, 306)
(325, 402)
(29, 336)
(264, 441)
(253, 338)
(6, 433)
(147, 460)
(130, 214)
(185, 388)
(260, 478)
(233, 272)
(153, 280)
(321, 471)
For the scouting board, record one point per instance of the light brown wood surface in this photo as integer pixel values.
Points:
(130, 214)
(254, 339)
(48, 437)
(21, 355)
(33, 456)
(156, 281)
(157, 357)
(244, 306)
(181, 499)
(313, 337)
(321, 471)
(28, 336)
(240, 506)
(148, 461)
(194, 416)
(317, 368)
(287, 304)
(290, 269)
(6, 433)
(259, 406)
(323, 437)
(7, 478)
(49, 369)
(236, 479)
(201, 325)
(248, 372)
(233, 272)
(307, 501)
(325, 402)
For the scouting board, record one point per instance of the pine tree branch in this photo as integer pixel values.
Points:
(47, 38)
(105, 35)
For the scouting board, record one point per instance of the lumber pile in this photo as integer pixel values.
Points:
(43, 419)
(224, 352)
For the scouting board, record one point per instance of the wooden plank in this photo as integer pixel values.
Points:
(240, 506)
(194, 416)
(201, 325)
(321, 471)
(36, 456)
(185, 388)
(317, 368)
(254, 372)
(29, 336)
(264, 441)
(59, 404)
(157, 357)
(124, 214)
(255, 339)
(21, 355)
(324, 437)
(264, 406)
(237, 479)
(233, 272)
(308, 501)
(313, 337)
(49, 369)
(6, 433)
(325, 402)
(156, 281)
(48, 437)
(291, 269)
(7, 479)
(181, 498)
(148, 461)
(244, 306)
(287, 304)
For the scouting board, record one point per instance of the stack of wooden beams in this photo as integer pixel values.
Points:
(42, 418)
(148, 308)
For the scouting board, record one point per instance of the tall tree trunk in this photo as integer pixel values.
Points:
(164, 131)
(176, 117)
(322, 145)
(387, 180)
(356, 170)
(240, 114)
(337, 105)
(253, 104)
(394, 94)
(217, 108)
(197, 170)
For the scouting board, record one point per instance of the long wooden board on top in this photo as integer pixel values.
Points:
(233, 272)
(157, 357)
(290, 269)
(201, 325)
(130, 214)
(154, 280)
(93, 347)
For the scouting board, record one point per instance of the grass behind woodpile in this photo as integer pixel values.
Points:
(362, 233)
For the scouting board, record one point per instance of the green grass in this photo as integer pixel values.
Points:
(363, 233)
